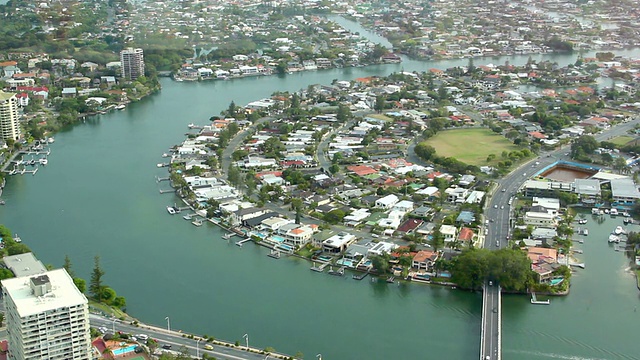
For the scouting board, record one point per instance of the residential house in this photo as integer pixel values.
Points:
(448, 232)
(424, 260)
(542, 219)
(296, 234)
(387, 202)
(338, 243)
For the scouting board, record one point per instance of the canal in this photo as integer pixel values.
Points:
(98, 195)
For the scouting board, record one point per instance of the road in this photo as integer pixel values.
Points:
(175, 339)
(500, 215)
(235, 142)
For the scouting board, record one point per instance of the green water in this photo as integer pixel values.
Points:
(98, 195)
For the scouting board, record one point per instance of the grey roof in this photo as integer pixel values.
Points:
(24, 264)
(624, 188)
(587, 187)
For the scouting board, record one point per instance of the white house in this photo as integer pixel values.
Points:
(338, 243)
(387, 202)
(543, 219)
(449, 232)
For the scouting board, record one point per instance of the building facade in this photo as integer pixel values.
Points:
(47, 317)
(132, 63)
(9, 125)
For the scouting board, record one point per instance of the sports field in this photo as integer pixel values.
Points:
(621, 140)
(471, 146)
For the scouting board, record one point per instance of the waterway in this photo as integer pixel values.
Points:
(98, 195)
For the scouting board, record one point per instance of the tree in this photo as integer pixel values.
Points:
(437, 240)
(380, 104)
(96, 286)
(334, 216)
(67, 266)
(80, 284)
(381, 263)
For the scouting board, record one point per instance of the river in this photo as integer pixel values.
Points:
(98, 195)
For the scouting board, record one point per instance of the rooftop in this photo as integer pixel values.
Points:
(63, 293)
(24, 264)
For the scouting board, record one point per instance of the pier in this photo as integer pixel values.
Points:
(580, 265)
(158, 179)
(164, 191)
(361, 276)
(535, 301)
(239, 243)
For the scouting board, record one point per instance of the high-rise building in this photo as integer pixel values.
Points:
(9, 125)
(47, 317)
(132, 63)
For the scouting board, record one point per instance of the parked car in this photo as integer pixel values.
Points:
(166, 346)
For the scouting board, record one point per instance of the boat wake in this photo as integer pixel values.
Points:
(543, 355)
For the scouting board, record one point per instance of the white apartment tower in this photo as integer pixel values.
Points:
(47, 318)
(132, 63)
(9, 126)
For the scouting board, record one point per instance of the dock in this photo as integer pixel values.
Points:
(338, 272)
(164, 191)
(535, 300)
(318, 268)
(361, 276)
(239, 243)
(580, 265)
(197, 222)
(274, 254)
(158, 179)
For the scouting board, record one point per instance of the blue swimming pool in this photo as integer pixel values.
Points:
(277, 238)
(345, 262)
(285, 247)
(324, 258)
(126, 350)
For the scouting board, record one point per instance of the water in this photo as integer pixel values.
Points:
(98, 196)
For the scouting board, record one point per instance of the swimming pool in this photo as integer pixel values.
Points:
(556, 281)
(277, 238)
(126, 350)
(345, 262)
(324, 258)
(286, 247)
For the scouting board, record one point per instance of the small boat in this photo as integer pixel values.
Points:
(613, 239)
(171, 210)
(627, 221)
(582, 221)
(606, 211)
(2, 202)
(626, 214)
(338, 272)
(121, 107)
(191, 125)
(585, 232)
(51, 140)
(43, 161)
(618, 230)
(17, 238)
(613, 212)
(595, 211)
(165, 155)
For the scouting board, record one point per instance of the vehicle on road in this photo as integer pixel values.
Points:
(208, 347)
(502, 207)
(166, 346)
(504, 190)
(497, 243)
(490, 283)
(495, 206)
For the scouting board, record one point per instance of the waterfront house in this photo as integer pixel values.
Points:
(338, 243)
(240, 215)
(296, 234)
(381, 248)
(424, 259)
(274, 223)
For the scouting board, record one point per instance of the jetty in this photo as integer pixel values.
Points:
(197, 222)
(535, 300)
(274, 254)
(361, 276)
(391, 279)
(318, 268)
(239, 243)
(338, 272)
(164, 191)
(580, 265)
(229, 235)
(158, 179)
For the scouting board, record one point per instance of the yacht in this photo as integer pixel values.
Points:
(171, 210)
(51, 140)
(121, 107)
(613, 239)
(43, 161)
(618, 230)
(613, 212)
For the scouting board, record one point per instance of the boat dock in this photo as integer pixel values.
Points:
(580, 265)
(338, 272)
(361, 276)
(239, 243)
(274, 254)
(158, 179)
(197, 222)
(535, 300)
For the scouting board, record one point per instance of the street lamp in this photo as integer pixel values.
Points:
(168, 324)
(198, 349)
(113, 325)
(246, 337)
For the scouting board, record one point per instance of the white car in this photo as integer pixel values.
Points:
(495, 206)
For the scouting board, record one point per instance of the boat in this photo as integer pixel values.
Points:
(121, 107)
(2, 202)
(51, 140)
(535, 301)
(582, 221)
(585, 232)
(171, 210)
(627, 221)
(595, 211)
(606, 211)
(165, 155)
(43, 161)
(197, 222)
(626, 214)
(191, 125)
(618, 230)
(613, 212)
(613, 239)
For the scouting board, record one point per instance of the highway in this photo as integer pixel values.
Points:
(500, 215)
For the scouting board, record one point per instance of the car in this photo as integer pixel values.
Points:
(502, 207)
(142, 337)
(495, 310)
(166, 346)
(495, 206)
(490, 283)
(504, 190)
(208, 347)
(375, 236)
(492, 220)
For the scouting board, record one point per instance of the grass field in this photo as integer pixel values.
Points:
(380, 117)
(621, 140)
(471, 146)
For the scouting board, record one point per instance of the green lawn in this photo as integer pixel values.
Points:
(621, 140)
(380, 117)
(471, 146)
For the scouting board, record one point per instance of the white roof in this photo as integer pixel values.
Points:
(547, 203)
(448, 229)
(63, 293)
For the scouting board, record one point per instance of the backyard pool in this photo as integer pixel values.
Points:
(123, 351)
